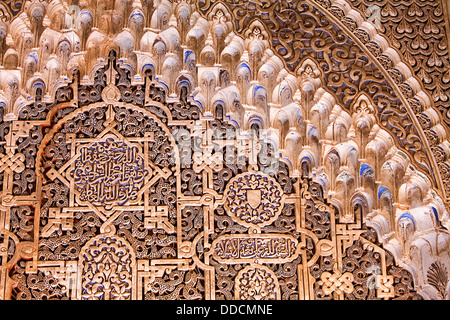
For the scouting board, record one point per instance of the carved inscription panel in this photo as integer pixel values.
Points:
(108, 173)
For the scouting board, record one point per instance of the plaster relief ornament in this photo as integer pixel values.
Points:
(107, 265)
(220, 150)
(108, 173)
(253, 199)
(257, 282)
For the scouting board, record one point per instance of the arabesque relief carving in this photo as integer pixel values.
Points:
(249, 150)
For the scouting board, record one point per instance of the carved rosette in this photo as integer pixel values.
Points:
(254, 199)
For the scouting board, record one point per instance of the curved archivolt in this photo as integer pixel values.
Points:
(186, 65)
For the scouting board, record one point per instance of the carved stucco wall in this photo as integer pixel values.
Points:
(194, 150)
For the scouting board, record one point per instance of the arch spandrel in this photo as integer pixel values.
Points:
(296, 153)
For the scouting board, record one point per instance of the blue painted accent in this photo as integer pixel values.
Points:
(307, 159)
(236, 123)
(244, 65)
(34, 56)
(145, 66)
(39, 84)
(255, 119)
(198, 101)
(363, 168)
(287, 160)
(58, 83)
(21, 104)
(136, 12)
(84, 11)
(435, 213)
(128, 66)
(408, 216)
(219, 101)
(382, 189)
(187, 53)
(257, 87)
(185, 82)
(165, 85)
(271, 142)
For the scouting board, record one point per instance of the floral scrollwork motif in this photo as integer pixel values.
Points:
(256, 282)
(107, 264)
